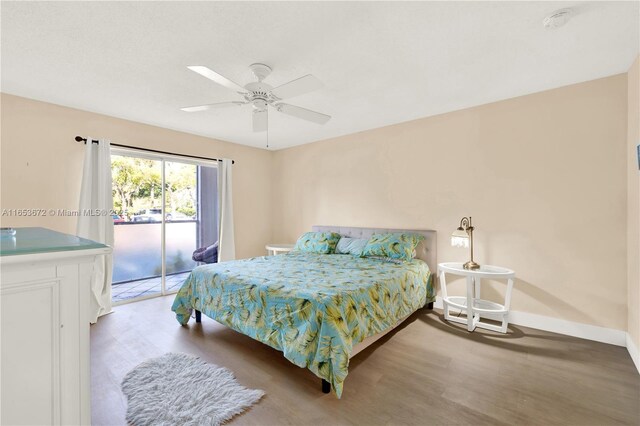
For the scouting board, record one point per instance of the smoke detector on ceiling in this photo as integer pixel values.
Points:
(557, 18)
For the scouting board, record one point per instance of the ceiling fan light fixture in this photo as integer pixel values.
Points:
(259, 104)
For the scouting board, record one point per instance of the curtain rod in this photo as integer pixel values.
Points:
(81, 139)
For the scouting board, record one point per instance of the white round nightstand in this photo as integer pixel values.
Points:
(273, 249)
(472, 304)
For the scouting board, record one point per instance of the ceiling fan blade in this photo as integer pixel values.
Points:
(302, 85)
(303, 113)
(220, 79)
(260, 120)
(198, 108)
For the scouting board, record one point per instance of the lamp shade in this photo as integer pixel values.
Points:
(460, 238)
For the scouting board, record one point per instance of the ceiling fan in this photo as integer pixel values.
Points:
(261, 95)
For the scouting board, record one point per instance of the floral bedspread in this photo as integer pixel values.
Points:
(312, 307)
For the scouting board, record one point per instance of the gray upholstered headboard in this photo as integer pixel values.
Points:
(426, 250)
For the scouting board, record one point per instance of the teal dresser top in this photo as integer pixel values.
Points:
(42, 240)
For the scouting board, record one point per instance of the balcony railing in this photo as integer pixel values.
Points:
(137, 252)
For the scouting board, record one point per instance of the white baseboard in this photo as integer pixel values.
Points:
(560, 326)
(570, 328)
(633, 351)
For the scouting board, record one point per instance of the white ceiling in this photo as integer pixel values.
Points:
(381, 63)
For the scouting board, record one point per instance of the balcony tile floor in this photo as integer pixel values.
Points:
(145, 287)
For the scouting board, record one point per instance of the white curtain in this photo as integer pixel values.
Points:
(226, 245)
(96, 195)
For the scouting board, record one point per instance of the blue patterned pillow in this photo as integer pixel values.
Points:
(317, 242)
(394, 245)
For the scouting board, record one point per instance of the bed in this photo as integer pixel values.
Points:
(318, 309)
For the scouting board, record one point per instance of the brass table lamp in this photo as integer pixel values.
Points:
(463, 237)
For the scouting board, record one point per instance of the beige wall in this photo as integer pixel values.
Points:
(42, 165)
(633, 206)
(542, 175)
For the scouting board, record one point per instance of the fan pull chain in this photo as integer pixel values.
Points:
(267, 128)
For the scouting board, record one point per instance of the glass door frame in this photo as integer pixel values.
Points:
(162, 158)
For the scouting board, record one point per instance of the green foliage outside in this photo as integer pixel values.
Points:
(137, 185)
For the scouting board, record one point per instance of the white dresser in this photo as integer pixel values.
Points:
(44, 301)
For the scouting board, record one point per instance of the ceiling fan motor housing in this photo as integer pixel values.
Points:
(259, 95)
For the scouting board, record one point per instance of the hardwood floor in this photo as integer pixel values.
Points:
(425, 372)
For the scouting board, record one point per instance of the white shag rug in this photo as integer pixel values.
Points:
(181, 389)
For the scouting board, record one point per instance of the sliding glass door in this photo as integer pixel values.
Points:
(186, 218)
(166, 209)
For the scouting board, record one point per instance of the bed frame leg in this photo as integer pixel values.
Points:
(429, 305)
(326, 386)
(198, 316)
